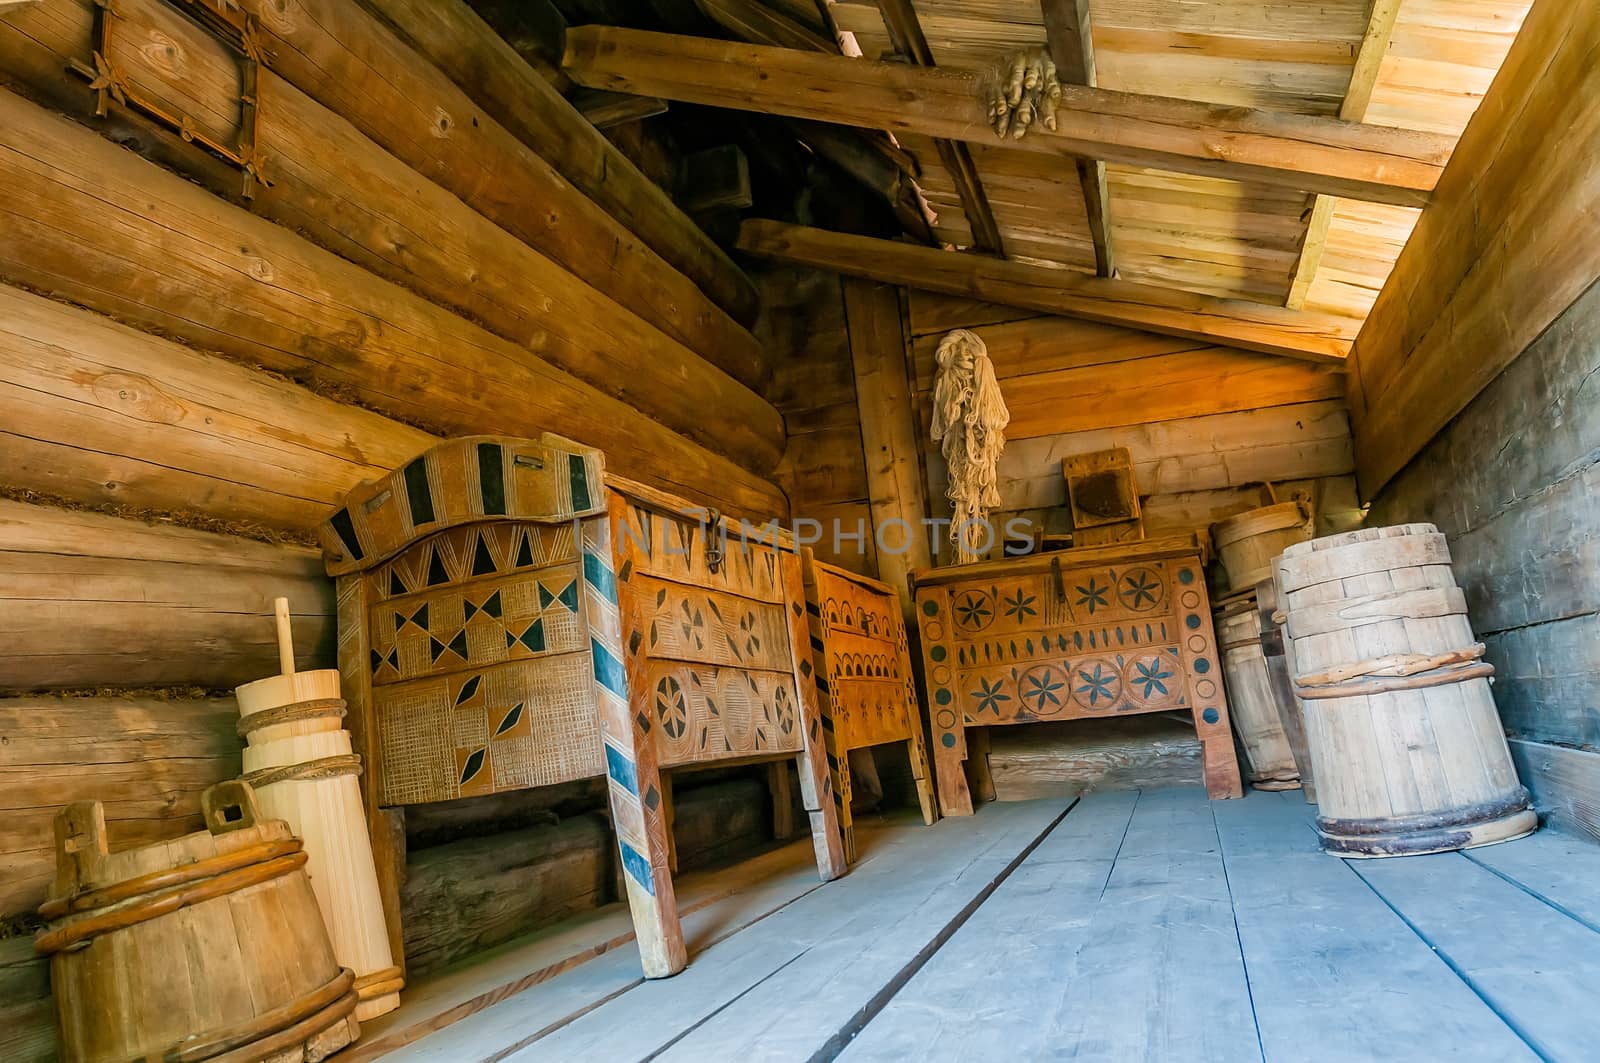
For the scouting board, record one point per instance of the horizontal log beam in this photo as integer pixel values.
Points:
(146, 760)
(1313, 154)
(452, 36)
(88, 600)
(350, 62)
(335, 186)
(99, 413)
(81, 216)
(1168, 311)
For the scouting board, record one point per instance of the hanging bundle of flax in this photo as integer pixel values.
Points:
(1020, 90)
(969, 420)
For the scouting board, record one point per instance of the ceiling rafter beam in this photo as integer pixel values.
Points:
(1357, 98)
(1067, 31)
(1312, 154)
(905, 32)
(1321, 338)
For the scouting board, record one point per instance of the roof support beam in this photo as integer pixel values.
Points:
(905, 31)
(1295, 151)
(1066, 25)
(1320, 338)
(1363, 79)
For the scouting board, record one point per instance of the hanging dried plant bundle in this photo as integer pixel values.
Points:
(969, 420)
(1020, 90)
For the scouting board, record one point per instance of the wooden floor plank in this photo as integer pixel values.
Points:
(1334, 974)
(1160, 976)
(935, 870)
(1537, 967)
(1562, 869)
(484, 1008)
(995, 986)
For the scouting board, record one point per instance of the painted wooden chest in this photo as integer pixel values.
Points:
(1094, 631)
(716, 646)
(864, 679)
(480, 648)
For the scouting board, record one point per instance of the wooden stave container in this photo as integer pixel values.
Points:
(232, 905)
(1376, 802)
(1257, 718)
(340, 864)
(1249, 543)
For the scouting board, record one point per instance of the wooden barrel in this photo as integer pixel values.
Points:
(1407, 748)
(1249, 543)
(299, 760)
(1252, 702)
(209, 947)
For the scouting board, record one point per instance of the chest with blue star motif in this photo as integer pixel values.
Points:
(1122, 631)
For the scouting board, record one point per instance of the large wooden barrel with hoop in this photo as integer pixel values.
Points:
(299, 760)
(1249, 543)
(207, 948)
(1407, 748)
(1258, 724)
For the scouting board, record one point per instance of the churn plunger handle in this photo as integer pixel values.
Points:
(280, 615)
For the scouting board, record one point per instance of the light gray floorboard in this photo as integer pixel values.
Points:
(1160, 975)
(996, 989)
(1561, 868)
(1536, 966)
(1335, 975)
(933, 871)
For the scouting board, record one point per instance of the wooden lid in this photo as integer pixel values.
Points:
(1171, 546)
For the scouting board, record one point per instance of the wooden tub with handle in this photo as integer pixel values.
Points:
(206, 948)
(1407, 749)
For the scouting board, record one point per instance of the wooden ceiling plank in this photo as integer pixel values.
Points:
(1306, 336)
(1066, 24)
(752, 20)
(906, 33)
(1312, 154)
(1357, 98)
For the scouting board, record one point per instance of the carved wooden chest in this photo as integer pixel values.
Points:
(715, 639)
(480, 647)
(864, 679)
(1094, 631)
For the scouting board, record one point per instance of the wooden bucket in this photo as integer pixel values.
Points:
(1407, 748)
(1249, 543)
(209, 947)
(300, 762)
(1252, 701)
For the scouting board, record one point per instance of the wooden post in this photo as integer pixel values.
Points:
(782, 791)
(890, 433)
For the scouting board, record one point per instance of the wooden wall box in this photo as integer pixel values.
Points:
(1094, 631)
(209, 947)
(717, 647)
(480, 648)
(864, 679)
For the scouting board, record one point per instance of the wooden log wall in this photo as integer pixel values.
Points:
(1474, 394)
(336, 186)
(813, 384)
(1510, 238)
(1205, 424)
(194, 367)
